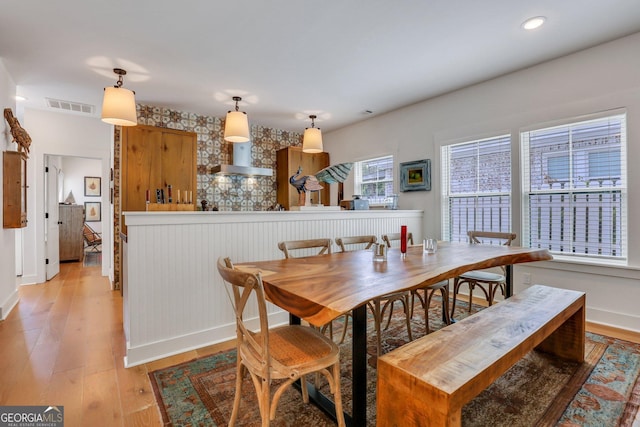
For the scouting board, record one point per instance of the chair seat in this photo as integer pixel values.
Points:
(439, 285)
(483, 276)
(296, 347)
(487, 281)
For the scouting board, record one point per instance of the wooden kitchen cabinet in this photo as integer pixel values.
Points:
(153, 158)
(71, 220)
(288, 159)
(14, 187)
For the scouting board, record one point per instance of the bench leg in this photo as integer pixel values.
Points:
(568, 340)
(398, 404)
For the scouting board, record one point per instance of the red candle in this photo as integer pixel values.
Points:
(403, 239)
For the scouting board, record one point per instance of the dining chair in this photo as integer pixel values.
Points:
(428, 290)
(285, 353)
(311, 247)
(425, 301)
(488, 281)
(378, 306)
(363, 242)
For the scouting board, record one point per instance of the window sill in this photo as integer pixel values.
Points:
(600, 262)
(600, 268)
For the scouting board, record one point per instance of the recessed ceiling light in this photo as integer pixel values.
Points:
(20, 98)
(533, 23)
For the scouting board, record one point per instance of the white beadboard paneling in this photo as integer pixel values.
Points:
(174, 298)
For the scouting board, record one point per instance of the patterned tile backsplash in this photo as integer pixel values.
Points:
(227, 193)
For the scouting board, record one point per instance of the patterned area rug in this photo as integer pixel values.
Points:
(538, 390)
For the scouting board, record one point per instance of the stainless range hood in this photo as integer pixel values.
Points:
(241, 163)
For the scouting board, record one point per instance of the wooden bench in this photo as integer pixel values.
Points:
(428, 381)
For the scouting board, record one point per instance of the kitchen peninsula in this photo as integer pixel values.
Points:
(174, 300)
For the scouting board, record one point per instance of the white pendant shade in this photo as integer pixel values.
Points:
(236, 127)
(312, 141)
(119, 107)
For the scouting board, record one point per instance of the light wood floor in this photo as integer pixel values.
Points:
(63, 344)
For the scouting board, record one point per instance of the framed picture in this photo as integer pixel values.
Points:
(415, 176)
(92, 211)
(92, 186)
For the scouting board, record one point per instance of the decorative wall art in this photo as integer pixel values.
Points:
(92, 211)
(92, 186)
(415, 176)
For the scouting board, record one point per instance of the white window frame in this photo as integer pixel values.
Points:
(358, 181)
(447, 193)
(526, 190)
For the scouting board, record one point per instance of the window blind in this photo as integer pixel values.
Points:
(476, 190)
(374, 179)
(574, 188)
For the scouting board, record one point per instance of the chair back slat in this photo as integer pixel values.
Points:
(388, 238)
(490, 237)
(322, 245)
(364, 242)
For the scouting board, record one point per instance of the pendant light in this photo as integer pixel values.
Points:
(119, 104)
(312, 140)
(236, 125)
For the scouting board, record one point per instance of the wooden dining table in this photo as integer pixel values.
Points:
(321, 288)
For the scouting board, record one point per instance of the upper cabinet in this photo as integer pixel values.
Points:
(288, 160)
(14, 184)
(153, 158)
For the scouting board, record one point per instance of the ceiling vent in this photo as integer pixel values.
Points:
(75, 107)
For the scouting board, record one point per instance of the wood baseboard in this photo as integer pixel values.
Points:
(612, 331)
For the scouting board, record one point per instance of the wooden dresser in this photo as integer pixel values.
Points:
(71, 219)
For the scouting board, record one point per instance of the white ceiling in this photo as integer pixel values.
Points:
(289, 58)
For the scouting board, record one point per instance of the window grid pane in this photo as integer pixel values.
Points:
(374, 179)
(487, 213)
(575, 188)
(476, 179)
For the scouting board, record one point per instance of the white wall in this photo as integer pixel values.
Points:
(75, 169)
(601, 78)
(64, 135)
(8, 282)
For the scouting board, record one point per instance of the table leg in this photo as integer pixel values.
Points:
(294, 320)
(508, 286)
(323, 402)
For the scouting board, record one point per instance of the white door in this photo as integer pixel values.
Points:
(52, 231)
